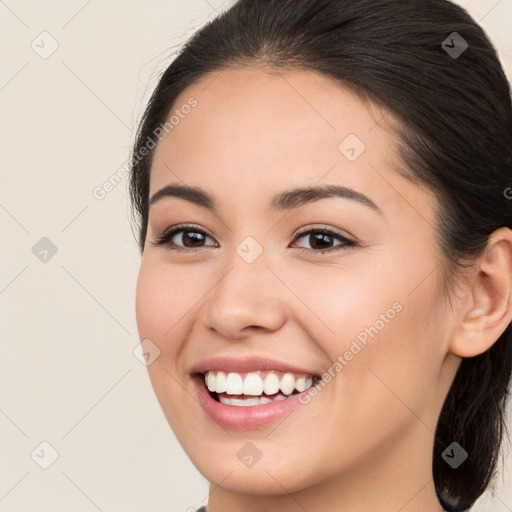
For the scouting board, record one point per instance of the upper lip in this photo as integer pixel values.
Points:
(248, 364)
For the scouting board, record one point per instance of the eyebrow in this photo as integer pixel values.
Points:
(287, 200)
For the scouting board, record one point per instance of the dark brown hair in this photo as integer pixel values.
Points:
(454, 113)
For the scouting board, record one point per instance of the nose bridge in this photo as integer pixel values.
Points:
(247, 294)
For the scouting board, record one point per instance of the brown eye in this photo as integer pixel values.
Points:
(192, 238)
(320, 240)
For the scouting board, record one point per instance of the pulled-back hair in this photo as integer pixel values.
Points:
(454, 113)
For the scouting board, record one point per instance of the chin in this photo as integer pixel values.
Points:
(269, 476)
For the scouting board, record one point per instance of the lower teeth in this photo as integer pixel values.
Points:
(224, 398)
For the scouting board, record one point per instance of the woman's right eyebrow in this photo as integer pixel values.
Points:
(287, 200)
(193, 195)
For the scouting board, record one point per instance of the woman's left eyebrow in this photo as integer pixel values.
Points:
(287, 200)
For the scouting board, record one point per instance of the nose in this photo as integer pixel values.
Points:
(246, 297)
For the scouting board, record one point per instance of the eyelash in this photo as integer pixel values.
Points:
(166, 236)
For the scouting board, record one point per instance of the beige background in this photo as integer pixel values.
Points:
(68, 373)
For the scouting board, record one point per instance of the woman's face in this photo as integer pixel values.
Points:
(367, 313)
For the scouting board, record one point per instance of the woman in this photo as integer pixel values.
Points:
(322, 190)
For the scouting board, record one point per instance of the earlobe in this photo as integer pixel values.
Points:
(486, 310)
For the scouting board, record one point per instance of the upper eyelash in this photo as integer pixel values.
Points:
(347, 242)
(167, 235)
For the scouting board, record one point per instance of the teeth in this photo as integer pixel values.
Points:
(271, 385)
(287, 384)
(245, 402)
(234, 384)
(221, 382)
(300, 384)
(252, 384)
(210, 381)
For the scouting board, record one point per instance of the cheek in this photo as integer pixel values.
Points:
(382, 307)
(384, 343)
(162, 298)
(161, 309)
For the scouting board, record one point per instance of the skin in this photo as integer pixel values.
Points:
(365, 441)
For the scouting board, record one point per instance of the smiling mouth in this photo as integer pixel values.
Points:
(255, 388)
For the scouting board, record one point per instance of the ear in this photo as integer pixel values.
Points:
(486, 307)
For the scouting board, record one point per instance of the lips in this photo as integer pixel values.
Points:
(234, 417)
(226, 404)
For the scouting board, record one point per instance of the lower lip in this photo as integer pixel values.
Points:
(240, 417)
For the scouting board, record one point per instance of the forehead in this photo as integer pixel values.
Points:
(255, 131)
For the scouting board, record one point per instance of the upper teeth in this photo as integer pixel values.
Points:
(254, 383)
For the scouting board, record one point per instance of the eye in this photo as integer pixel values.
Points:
(194, 235)
(322, 237)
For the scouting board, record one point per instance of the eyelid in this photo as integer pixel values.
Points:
(172, 231)
(322, 227)
(164, 239)
(347, 242)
